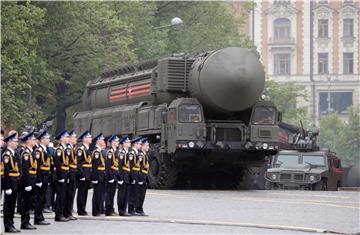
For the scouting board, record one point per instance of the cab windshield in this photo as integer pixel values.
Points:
(190, 113)
(315, 160)
(286, 160)
(264, 116)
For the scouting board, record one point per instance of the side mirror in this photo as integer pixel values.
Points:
(163, 117)
(279, 116)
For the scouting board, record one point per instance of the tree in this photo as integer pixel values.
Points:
(341, 137)
(285, 96)
(21, 67)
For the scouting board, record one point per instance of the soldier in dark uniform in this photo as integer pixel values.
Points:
(61, 166)
(111, 173)
(27, 180)
(134, 173)
(73, 172)
(50, 193)
(124, 175)
(98, 174)
(2, 148)
(84, 169)
(143, 179)
(43, 176)
(20, 148)
(10, 182)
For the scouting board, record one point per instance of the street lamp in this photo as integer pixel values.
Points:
(175, 23)
(328, 95)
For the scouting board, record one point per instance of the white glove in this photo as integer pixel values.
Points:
(61, 181)
(68, 180)
(28, 188)
(133, 182)
(8, 191)
(120, 182)
(82, 179)
(39, 184)
(141, 183)
(94, 181)
(111, 181)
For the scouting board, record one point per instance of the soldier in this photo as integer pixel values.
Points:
(61, 166)
(143, 179)
(2, 148)
(98, 174)
(73, 172)
(124, 175)
(134, 173)
(43, 176)
(111, 173)
(10, 181)
(84, 170)
(20, 148)
(27, 180)
(50, 193)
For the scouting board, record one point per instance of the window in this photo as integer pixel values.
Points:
(316, 160)
(348, 63)
(348, 27)
(282, 64)
(323, 28)
(339, 102)
(281, 29)
(286, 160)
(264, 116)
(323, 63)
(190, 113)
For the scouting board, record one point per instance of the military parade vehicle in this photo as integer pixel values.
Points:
(302, 164)
(202, 112)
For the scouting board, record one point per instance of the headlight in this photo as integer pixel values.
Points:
(273, 176)
(312, 178)
(191, 144)
(265, 145)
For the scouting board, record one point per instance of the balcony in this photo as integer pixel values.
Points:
(282, 41)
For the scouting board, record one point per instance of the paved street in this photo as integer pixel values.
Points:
(197, 211)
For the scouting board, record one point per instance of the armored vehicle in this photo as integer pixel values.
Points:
(306, 166)
(202, 113)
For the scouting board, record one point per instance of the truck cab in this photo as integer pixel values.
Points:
(312, 170)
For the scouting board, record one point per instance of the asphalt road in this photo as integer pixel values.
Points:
(245, 212)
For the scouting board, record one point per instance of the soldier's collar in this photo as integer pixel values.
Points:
(86, 146)
(43, 147)
(136, 151)
(11, 150)
(98, 147)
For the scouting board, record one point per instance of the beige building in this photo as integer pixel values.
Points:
(315, 44)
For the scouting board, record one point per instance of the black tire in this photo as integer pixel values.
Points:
(163, 173)
(320, 186)
(269, 185)
(248, 178)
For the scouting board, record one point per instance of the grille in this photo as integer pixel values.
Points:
(285, 177)
(299, 178)
(265, 133)
(176, 72)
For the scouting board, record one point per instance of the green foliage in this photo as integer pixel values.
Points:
(341, 137)
(285, 96)
(21, 67)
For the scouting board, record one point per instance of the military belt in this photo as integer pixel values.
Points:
(45, 168)
(115, 168)
(73, 166)
(101, 168)
(65, 168)
(136, 169)
(87, 165)
(126, 168)
(14, 174)
(32, 172)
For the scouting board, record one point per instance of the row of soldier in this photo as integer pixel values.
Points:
(28, 169)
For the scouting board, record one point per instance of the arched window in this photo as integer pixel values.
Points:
(282, 29)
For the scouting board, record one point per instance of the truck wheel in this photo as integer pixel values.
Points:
(321, 185)
(269, 185)
(248, 178)
(163, 174)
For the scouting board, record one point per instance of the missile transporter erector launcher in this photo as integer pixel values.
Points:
(202, 113)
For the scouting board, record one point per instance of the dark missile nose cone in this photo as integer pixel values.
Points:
(228, 80)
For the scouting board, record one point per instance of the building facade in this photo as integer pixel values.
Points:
(315, 44)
